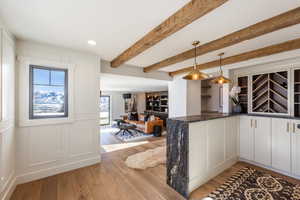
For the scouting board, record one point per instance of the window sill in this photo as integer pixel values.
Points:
(42, 122)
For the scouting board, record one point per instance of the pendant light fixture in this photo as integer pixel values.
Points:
(195, 74)
(221, 79)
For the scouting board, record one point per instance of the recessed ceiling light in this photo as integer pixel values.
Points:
(92, 42)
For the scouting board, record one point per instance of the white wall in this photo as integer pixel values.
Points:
(193, 97)
(53, 146)
(177, 97)
(7, 124)
(116, 103)
(184, 97)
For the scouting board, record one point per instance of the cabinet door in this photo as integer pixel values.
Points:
(215, 143)
(296, 147)
(231, 127)
(246, 138)
(262, 140)
(281, 144)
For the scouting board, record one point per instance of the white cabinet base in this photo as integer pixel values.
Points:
(198, 181)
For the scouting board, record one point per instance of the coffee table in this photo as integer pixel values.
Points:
(125, 128)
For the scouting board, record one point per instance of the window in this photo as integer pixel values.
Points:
(48, 92)
(104, 110)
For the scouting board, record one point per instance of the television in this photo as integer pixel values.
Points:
(127, 96)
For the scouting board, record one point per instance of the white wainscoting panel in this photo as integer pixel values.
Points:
(53, 146)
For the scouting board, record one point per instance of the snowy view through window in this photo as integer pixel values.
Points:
(48, 92)
(104, 110)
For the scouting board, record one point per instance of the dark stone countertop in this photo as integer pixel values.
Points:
(211, 116)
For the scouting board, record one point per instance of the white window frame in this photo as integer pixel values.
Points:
(24, 64)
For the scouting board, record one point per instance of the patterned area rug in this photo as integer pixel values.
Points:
(126, 137)
(250, 184)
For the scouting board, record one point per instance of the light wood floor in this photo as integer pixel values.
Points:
(112, 180)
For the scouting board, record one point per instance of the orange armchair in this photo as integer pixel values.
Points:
(150, 125)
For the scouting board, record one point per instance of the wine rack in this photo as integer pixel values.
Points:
(243, 95)
(297, 93)
(270, 92)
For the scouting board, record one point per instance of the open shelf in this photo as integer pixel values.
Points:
(243, 95)
(157, 102)
(206, 95)
(297, 92)
(270, 92)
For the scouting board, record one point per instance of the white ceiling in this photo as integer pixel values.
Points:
(115, 25)
(110, 82)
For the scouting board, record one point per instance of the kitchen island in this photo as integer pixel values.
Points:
(200, 147)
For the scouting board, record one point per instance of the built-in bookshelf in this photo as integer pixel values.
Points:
(270, 92)
(157, 102)
(243, 95)
(297, 92)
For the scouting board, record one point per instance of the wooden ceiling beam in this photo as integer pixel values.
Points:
(281, 21)
(266, 51)
(186, 15)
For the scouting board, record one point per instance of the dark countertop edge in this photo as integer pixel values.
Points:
(199, 118)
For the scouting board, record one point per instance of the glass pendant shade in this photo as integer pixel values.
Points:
(195, 74)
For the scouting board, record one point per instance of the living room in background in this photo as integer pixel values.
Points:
(105, 110)
(48, 92)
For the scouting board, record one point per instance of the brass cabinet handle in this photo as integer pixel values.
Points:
(251, 123)
(288, 127)
(294, 127)
(255, 123)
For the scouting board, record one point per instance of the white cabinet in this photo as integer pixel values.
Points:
(281, 144)
(295, 131)
(246, 138)
(212, 149)
(215, 142)
(255, 139)
(231, 136)
(262, 140)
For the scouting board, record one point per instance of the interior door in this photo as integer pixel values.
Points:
(246, 138)
(281, 144)
(262, 140)
(296, 147)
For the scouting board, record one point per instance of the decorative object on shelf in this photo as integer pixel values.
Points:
(237, 108)
(221, 79)
(195, 74)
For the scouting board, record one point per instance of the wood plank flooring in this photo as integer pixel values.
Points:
(112, 180)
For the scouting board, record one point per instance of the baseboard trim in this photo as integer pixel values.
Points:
(31, 176)
(269, 168)
(9, 188)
